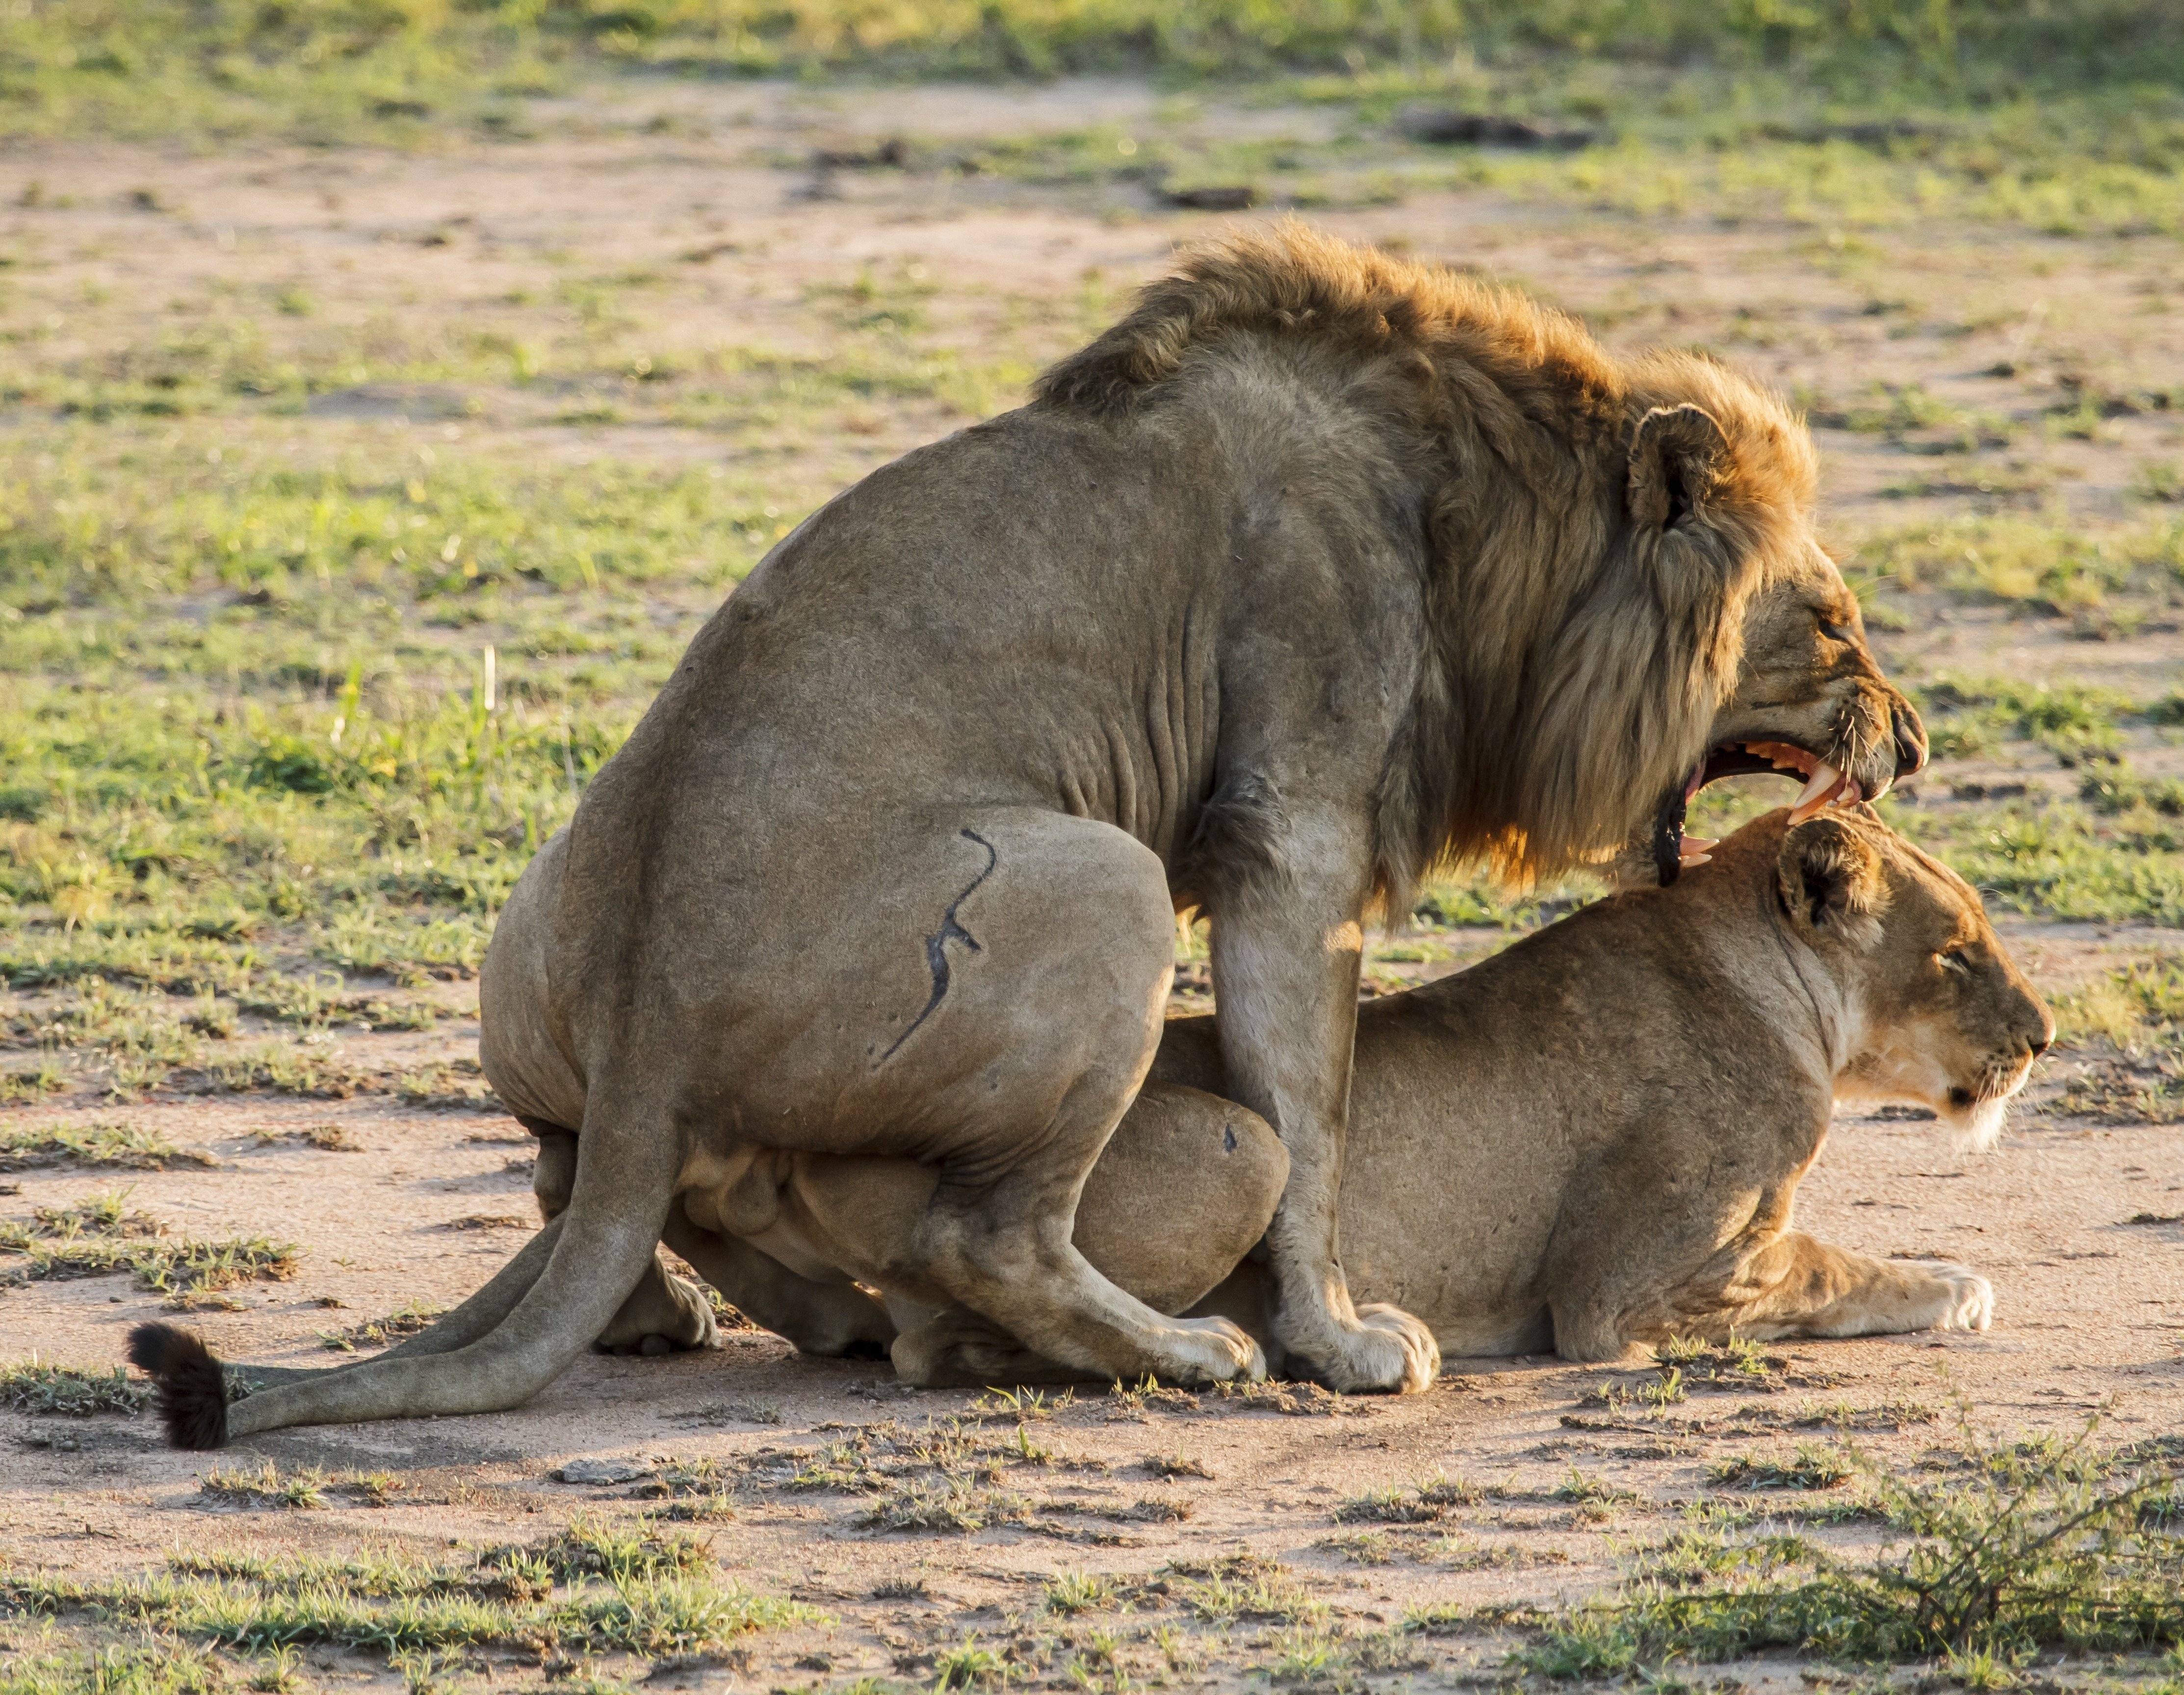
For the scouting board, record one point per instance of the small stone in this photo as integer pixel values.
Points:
(595, 1472)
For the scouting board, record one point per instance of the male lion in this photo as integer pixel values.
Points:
(1318, 566)
(1587, 1143)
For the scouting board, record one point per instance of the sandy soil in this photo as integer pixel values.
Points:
(2091, 1308)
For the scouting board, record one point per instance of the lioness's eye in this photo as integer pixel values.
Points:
(1955, 960)
(1837, 632)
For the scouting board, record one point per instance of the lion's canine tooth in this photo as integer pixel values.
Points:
(1819, 789)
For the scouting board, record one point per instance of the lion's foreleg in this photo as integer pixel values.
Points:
(1286, 952)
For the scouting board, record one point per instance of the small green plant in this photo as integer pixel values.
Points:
(99, 1143)
(33, 1387)
(267, 1486)
(100, 1235)
(412, 1319)
(1415, 1503)
(1080, 1591)
(2019, 1546)
(969, 1664)
(1589, 1491)
(1362, 1547)
(1808, 1468)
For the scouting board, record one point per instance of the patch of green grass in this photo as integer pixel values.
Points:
(1360, 1548)
(1587, 1490)
(411, 1319)
(99, 1236)
(2112, 791)
(387, 1605)
(2136, 1007)
(32, 1387)
(97, 1143)
(968, 1665)
(2019, 1547)
(1416, 1503)
(1738, 1363)
(1069, 1592)
(324, 69)
(158, 1667)
(2048, 566)
(1245, 1587)
(942, 1504)
(2078, 725)
(2058, 859)
(267, 1486)
(1808, 1468)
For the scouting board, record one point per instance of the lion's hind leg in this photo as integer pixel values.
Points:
(665, 1314)
(1033, 1046)
(1811, 1289)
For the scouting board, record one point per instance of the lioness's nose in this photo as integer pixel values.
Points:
(1910, 743)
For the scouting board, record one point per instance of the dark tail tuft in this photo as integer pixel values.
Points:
(192, 1391)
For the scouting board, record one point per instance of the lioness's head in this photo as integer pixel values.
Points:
(1719, 502)
(1938, 1015)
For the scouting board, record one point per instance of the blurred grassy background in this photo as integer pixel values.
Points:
(249, 743)
(328, 67)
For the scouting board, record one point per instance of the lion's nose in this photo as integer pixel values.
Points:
(1910, 743)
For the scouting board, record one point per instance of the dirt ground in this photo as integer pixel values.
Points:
(2090, 1305)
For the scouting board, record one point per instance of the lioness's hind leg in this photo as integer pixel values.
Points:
(958, 1349)
(665, 1314)
(833, 1320)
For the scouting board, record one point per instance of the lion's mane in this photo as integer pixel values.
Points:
(1551, 613)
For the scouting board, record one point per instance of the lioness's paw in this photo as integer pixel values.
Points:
(1388, 1352)
(1965, 1300)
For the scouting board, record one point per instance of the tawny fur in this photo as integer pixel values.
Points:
(1246, 610)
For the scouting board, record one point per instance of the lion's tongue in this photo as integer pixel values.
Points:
(1825, 786)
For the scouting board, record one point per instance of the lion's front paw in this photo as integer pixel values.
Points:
(1217, 1351)
(1386, 1352)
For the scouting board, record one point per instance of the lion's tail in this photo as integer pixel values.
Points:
(501, 1347)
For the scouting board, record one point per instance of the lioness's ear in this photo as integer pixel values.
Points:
(1828, 877)
(1677, 458)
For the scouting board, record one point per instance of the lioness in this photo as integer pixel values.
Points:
(1587, 1143)
(1318, 565)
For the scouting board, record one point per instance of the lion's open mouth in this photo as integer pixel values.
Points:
(1824, 786)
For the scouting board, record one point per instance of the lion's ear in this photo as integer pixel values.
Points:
(1677, 459)
(1829, 876)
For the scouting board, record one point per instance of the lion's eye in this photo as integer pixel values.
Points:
(1954, 960)
(1838, 632)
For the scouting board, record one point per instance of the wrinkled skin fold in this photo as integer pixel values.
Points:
(1317, 566)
